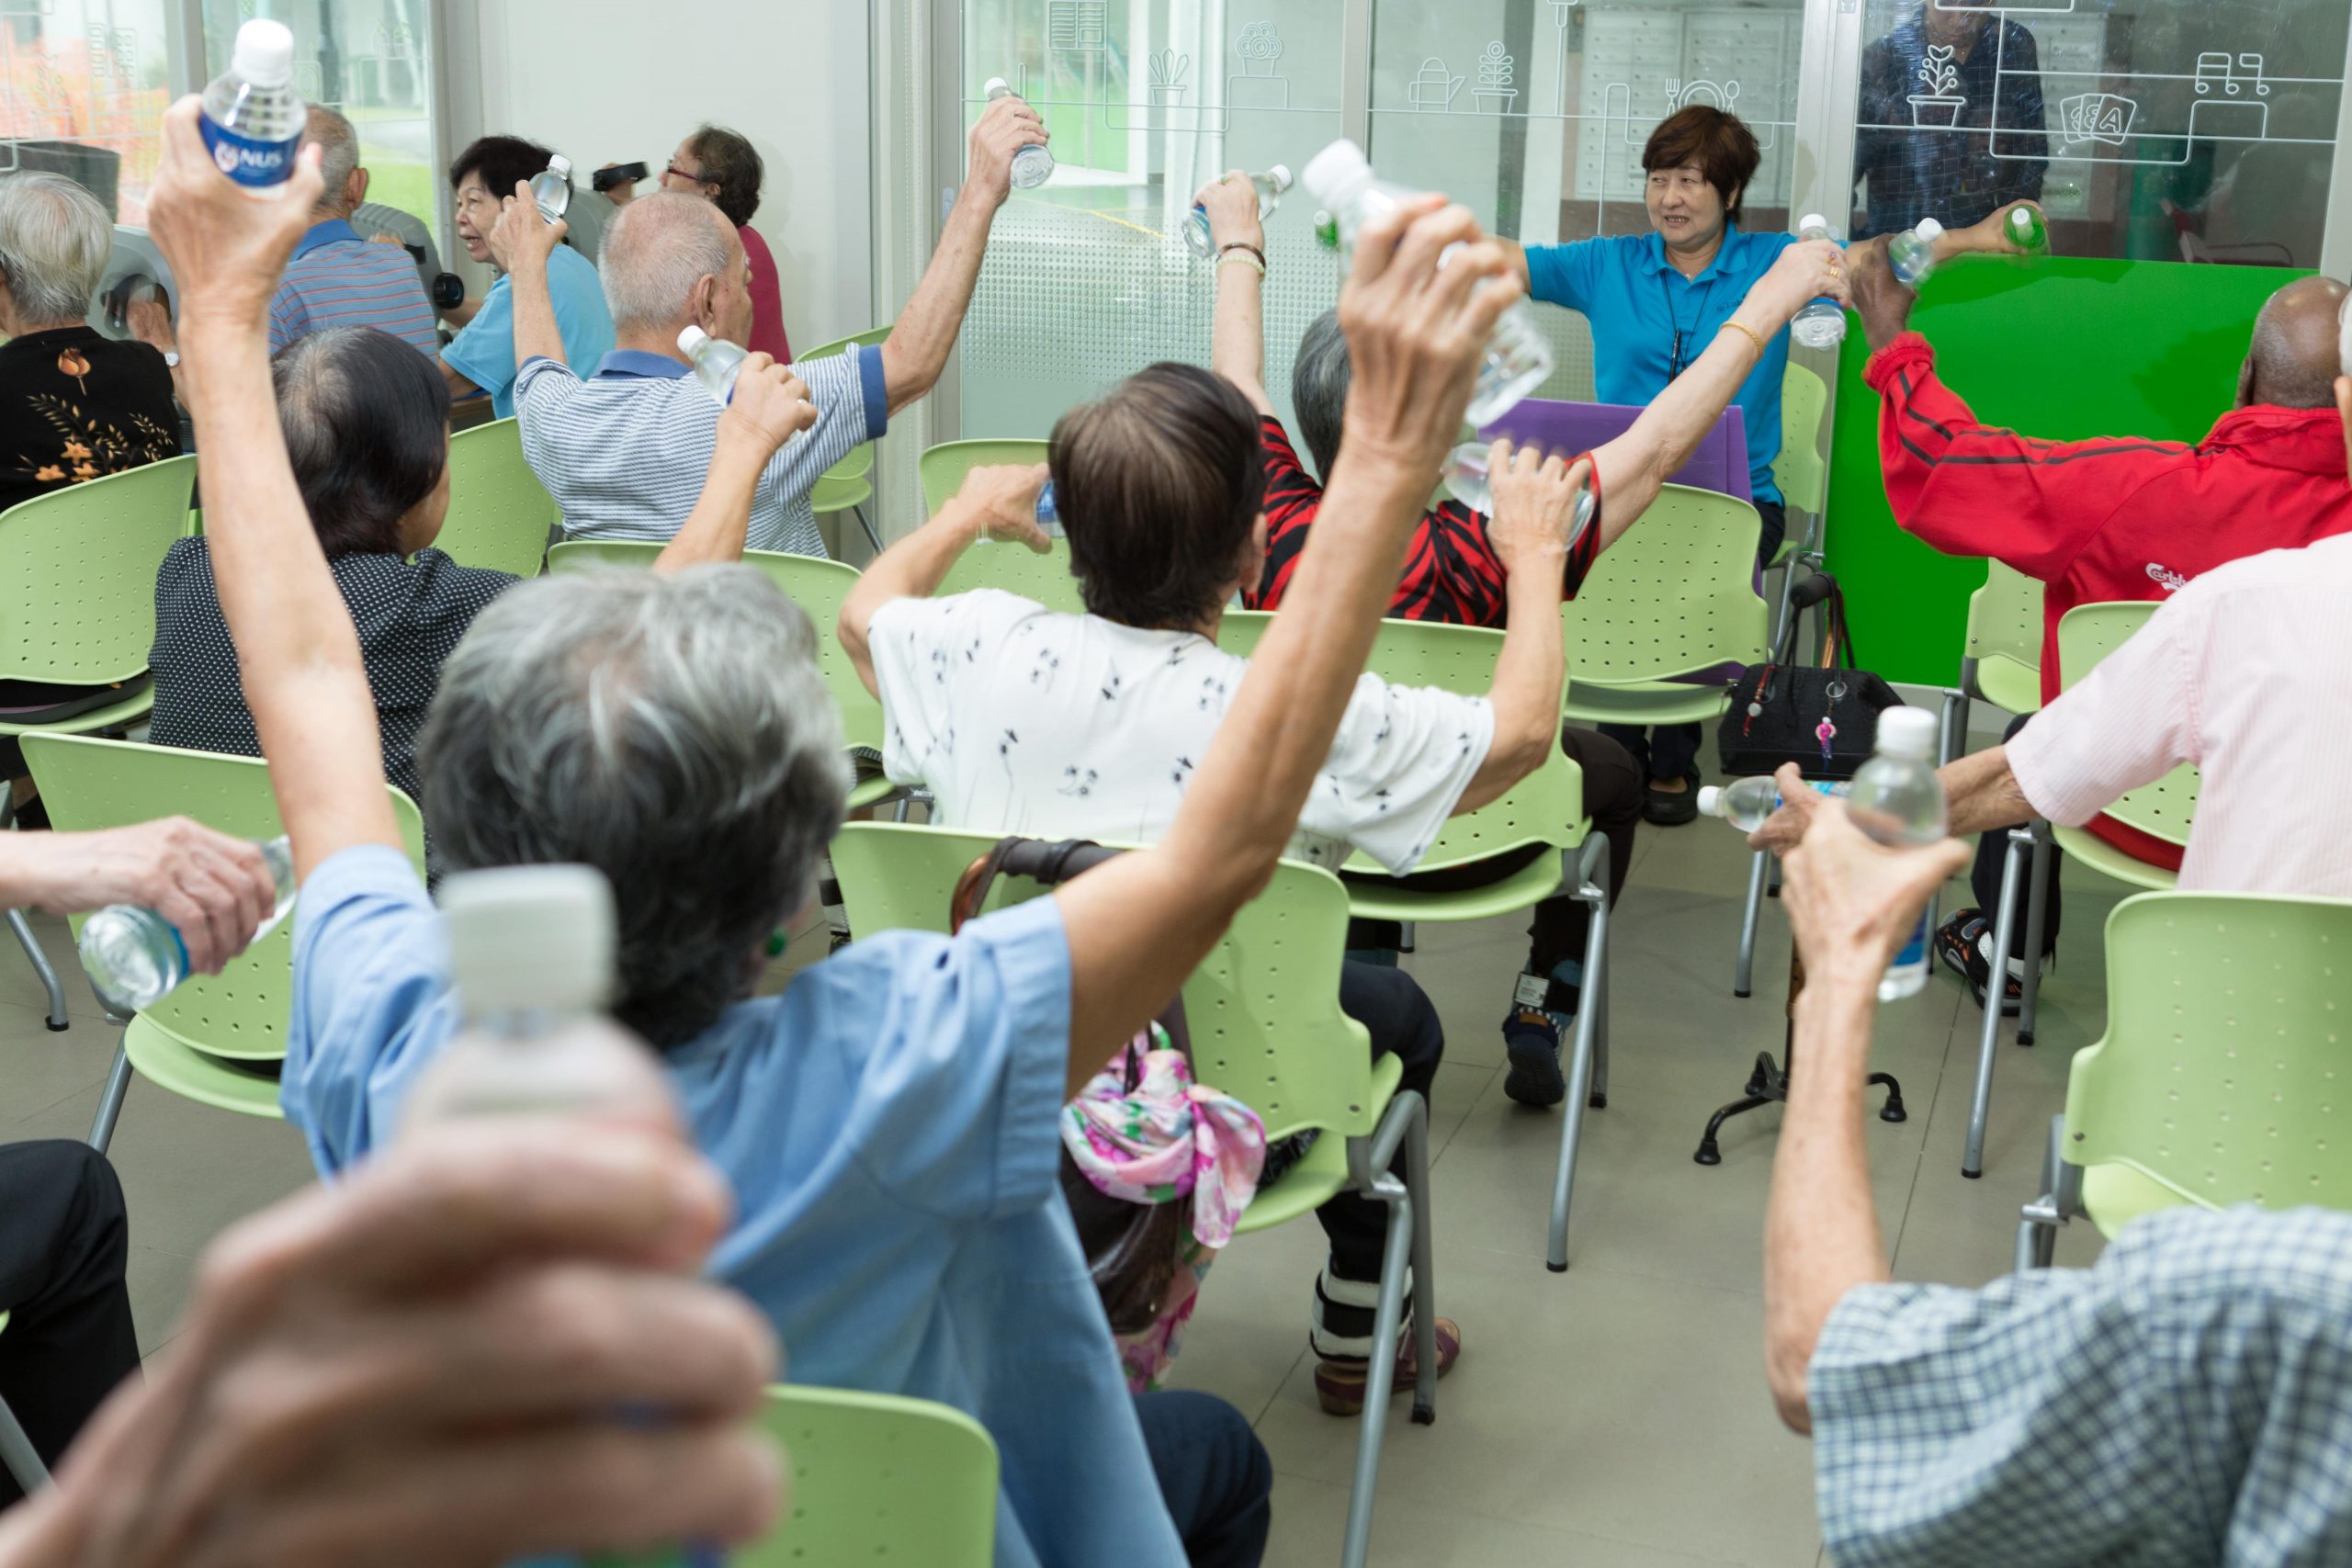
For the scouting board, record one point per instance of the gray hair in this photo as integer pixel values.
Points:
(673, 732)
(1318, 390)
(656, 250)
(338, 146)
(55, 239)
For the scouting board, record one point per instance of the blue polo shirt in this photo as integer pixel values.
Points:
(484, 353)
(1637, 301)
(337, 279)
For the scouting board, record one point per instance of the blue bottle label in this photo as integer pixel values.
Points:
(248, 160)
(1915, 950)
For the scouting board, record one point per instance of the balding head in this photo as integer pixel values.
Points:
(338, 145)
(2295, 359)
(668, 262)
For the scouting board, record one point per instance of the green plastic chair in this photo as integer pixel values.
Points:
(2217, 1078)
(1263, 1010)
(500, 515)
(17, 1451)
(876, 1477)
(218, 1038)
(2003, 664)
(1015, 569)
(848, 485)
(818, 587)
(944, 466)
(1802, 474)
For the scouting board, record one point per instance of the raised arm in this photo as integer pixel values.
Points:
(297, 652)
(998, 504)
(916, 352)
(769, 408)
(1138, 925)
(1535, 503)
(1656, 444)
(1237, 339)
(520, 242)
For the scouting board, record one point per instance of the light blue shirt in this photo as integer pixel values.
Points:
(890, 1125)
(1636, 302)
(484, 353)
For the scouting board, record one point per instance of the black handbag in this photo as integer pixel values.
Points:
(1822, 717)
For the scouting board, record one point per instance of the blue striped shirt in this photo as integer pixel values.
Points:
(337, 279)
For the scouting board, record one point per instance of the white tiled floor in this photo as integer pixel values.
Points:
(1613, 1416)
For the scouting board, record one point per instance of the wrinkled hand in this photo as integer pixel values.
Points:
(226, 248)
(386, 237)
(1535, 507)
(423, 1364)
(1005, 127)
(1806, 271)
(770, 406)
(1003, 504)
(523, 237)
(1417, 331)
(1232, 203)
(619, 195)
(150, 321)
(1884, 303)
(214, 888)
(1854, 903)
(1784, 830)
(1991, 236)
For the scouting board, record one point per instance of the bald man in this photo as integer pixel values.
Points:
(2118, 517)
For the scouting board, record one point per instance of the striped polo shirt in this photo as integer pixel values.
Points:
(337, 279)
(624, 453)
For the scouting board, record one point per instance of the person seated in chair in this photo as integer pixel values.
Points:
(1452, 571)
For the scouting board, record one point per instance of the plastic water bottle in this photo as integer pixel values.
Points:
(1898, 800)
(1517, 359)
(1049, 512)
(1748, 804)
(253, 122)
(552, 188)
(2027, 231)
(1466, 475)
(1271, 186)
(135, 958)
(1912, 254)
(1032, 165)
(717, 362)
(1821, 323)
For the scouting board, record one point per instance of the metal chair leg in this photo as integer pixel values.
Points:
(110, 1100)
(871, 536)
(39, 960)
(2036, 923)
(1744, 976)
(1416, 1186)
(1972, 1164)
(17, 1451)
(2061, 1200)
(1382, 1375)
(1592, 1021)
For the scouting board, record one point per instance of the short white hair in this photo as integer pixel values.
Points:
(338, 146)
(656, 250)
(54, 243)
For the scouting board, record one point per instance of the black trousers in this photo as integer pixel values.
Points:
(1214, 1475)
(1671, 751)
(1403, 1023)
(1986, 878)
(63, 1240)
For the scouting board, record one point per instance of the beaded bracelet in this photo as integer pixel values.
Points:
(1242, 254)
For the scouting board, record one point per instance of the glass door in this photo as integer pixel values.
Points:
(83, 84)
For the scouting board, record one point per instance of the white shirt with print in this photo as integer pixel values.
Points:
(1071, 727)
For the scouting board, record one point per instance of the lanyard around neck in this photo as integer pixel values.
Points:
(1677, 364)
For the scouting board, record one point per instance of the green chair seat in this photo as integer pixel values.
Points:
(2116, 1194)
(872, 792)
(2009, 685)
(838, 492)
(1523, 889)
(500, 515)
(878, 1478)
(2098, 854)
(2004, 637)
(114, 716)
(1643, 701)
(1321, 1174)
(173, 1063)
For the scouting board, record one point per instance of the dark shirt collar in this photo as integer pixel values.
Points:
(637, 365)
(79, 331)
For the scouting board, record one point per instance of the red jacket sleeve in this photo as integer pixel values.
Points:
(1977, 490)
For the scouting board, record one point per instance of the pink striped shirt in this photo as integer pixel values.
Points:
(2247, 673)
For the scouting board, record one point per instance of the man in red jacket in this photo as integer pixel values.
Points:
(2118, 517)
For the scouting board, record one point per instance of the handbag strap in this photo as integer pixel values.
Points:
(1837, 650)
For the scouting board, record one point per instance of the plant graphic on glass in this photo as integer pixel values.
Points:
(1939, 108)
(1495, 94)
(1259, 85)
(1169, 70)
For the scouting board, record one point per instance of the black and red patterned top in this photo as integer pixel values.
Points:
(77, 406)
(1452, 572)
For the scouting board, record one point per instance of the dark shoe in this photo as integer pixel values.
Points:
(1340, 1385)
(1533, 1041)
(1961, 944)
(1665, 808)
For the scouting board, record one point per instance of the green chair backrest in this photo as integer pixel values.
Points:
(944, 466)
(1675, 595)
(2086, 634)
(77, 574)
(860, 460)
(880, 1478)
(1263, 1007)
(2005, 618)
(1016, 568)
(818, 586)
(2226, 1049)
(91, 784)
(1801, 471)
(500, 515)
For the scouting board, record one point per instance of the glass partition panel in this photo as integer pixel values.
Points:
(83, 84)
(2196, 131)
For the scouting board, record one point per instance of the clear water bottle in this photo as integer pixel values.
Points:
(717, 362)
(1032, 165)
(1898, 801)
(252, 121)
(1467, 476)
(1518, 359)
(135, 958)
(1912, 254)
(2027, 231)
(1748, 804)
(1271, 186)
(552, 188)
(1821, 323)
(1049, 513)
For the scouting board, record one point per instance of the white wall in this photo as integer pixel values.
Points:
(617, 81)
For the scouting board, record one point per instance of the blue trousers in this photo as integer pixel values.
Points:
(1213, 1474)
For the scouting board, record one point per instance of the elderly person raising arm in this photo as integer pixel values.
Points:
(891, 1121)
(723, 168)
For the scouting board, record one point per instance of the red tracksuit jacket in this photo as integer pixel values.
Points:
(2107, 519)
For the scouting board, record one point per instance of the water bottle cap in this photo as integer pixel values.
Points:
(1279, 176)
(1711, 800)
(533, 936)
(1929, 229)
(995, 86)
(264, 53)
(1908, 732)
(559, 164)
(690, 341)
(1339, 173)
(1812, 220)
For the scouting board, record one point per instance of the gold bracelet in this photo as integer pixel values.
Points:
(1749, 332)
(1242, 257)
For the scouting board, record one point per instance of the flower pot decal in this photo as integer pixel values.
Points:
(1167, 71)
(1495, 94)
(1259, 85)
(1939, 108)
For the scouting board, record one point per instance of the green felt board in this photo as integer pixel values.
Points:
(2061, 348)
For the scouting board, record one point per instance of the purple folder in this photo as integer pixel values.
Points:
(1720, 464)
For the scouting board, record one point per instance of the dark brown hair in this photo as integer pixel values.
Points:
(1719, 145)
(1159, 485)
(733, 165)
(366, 424)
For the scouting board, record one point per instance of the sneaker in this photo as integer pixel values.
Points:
(1532, 1038)
(1965, 943)
(1668, 808)
(1339, 1383)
